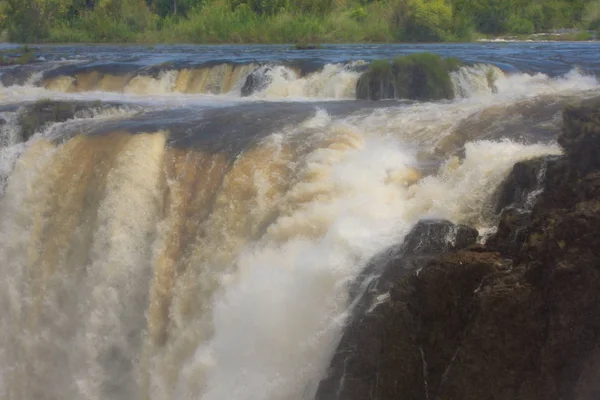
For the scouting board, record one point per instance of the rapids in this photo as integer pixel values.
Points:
(196, 238)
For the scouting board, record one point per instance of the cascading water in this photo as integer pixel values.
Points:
(269, 81)
(152, 253)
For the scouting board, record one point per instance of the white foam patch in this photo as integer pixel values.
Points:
(334, 81)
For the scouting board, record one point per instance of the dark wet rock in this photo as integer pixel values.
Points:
(438, 236)
(35, 117)
(522, 322)
(364, 351)
(18, 75)
(511, 231)
(525, 178)
(426, 239)
(115, 69)
(514, 200)
(581, 137)
(257, 80)
(422, 76)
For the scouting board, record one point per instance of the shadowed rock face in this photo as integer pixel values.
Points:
(518, 318)
(373, 353)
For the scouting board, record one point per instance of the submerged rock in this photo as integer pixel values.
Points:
(422, 76)
(516, 320)
(36, 116)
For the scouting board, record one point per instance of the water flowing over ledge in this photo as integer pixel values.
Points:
(165, 245)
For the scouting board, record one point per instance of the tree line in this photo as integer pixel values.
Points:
(284, 21)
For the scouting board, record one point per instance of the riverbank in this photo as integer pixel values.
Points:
(568, 35)
(280, 21)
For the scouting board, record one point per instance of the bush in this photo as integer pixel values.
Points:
(591, 18)
(315, 7)
(262, 7)
(464, 29)
(26, 21)
(358, 13)
(520, 26)
(428, 21)
(422, 76)
(110, 21)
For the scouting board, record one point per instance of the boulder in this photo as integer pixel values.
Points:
(421, 76)
(257, 80)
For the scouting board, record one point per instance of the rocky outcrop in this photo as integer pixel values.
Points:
(430, 237)
(516, 319)
(421, 76)
(257, 80)
(373, 353)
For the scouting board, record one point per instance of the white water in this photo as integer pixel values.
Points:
(333, 81)
(251, 261)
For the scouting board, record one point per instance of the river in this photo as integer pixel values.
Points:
(191, 230)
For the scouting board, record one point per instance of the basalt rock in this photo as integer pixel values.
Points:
(525, 178)
(438, 236)
(517, 319)
(515, 199)
(375, 354)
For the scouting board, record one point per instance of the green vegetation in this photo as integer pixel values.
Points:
(422, 76)
(288, 21)
(20, 56)
(307, 46)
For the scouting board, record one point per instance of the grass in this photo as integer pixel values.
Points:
(421, 76)
(21, 56)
